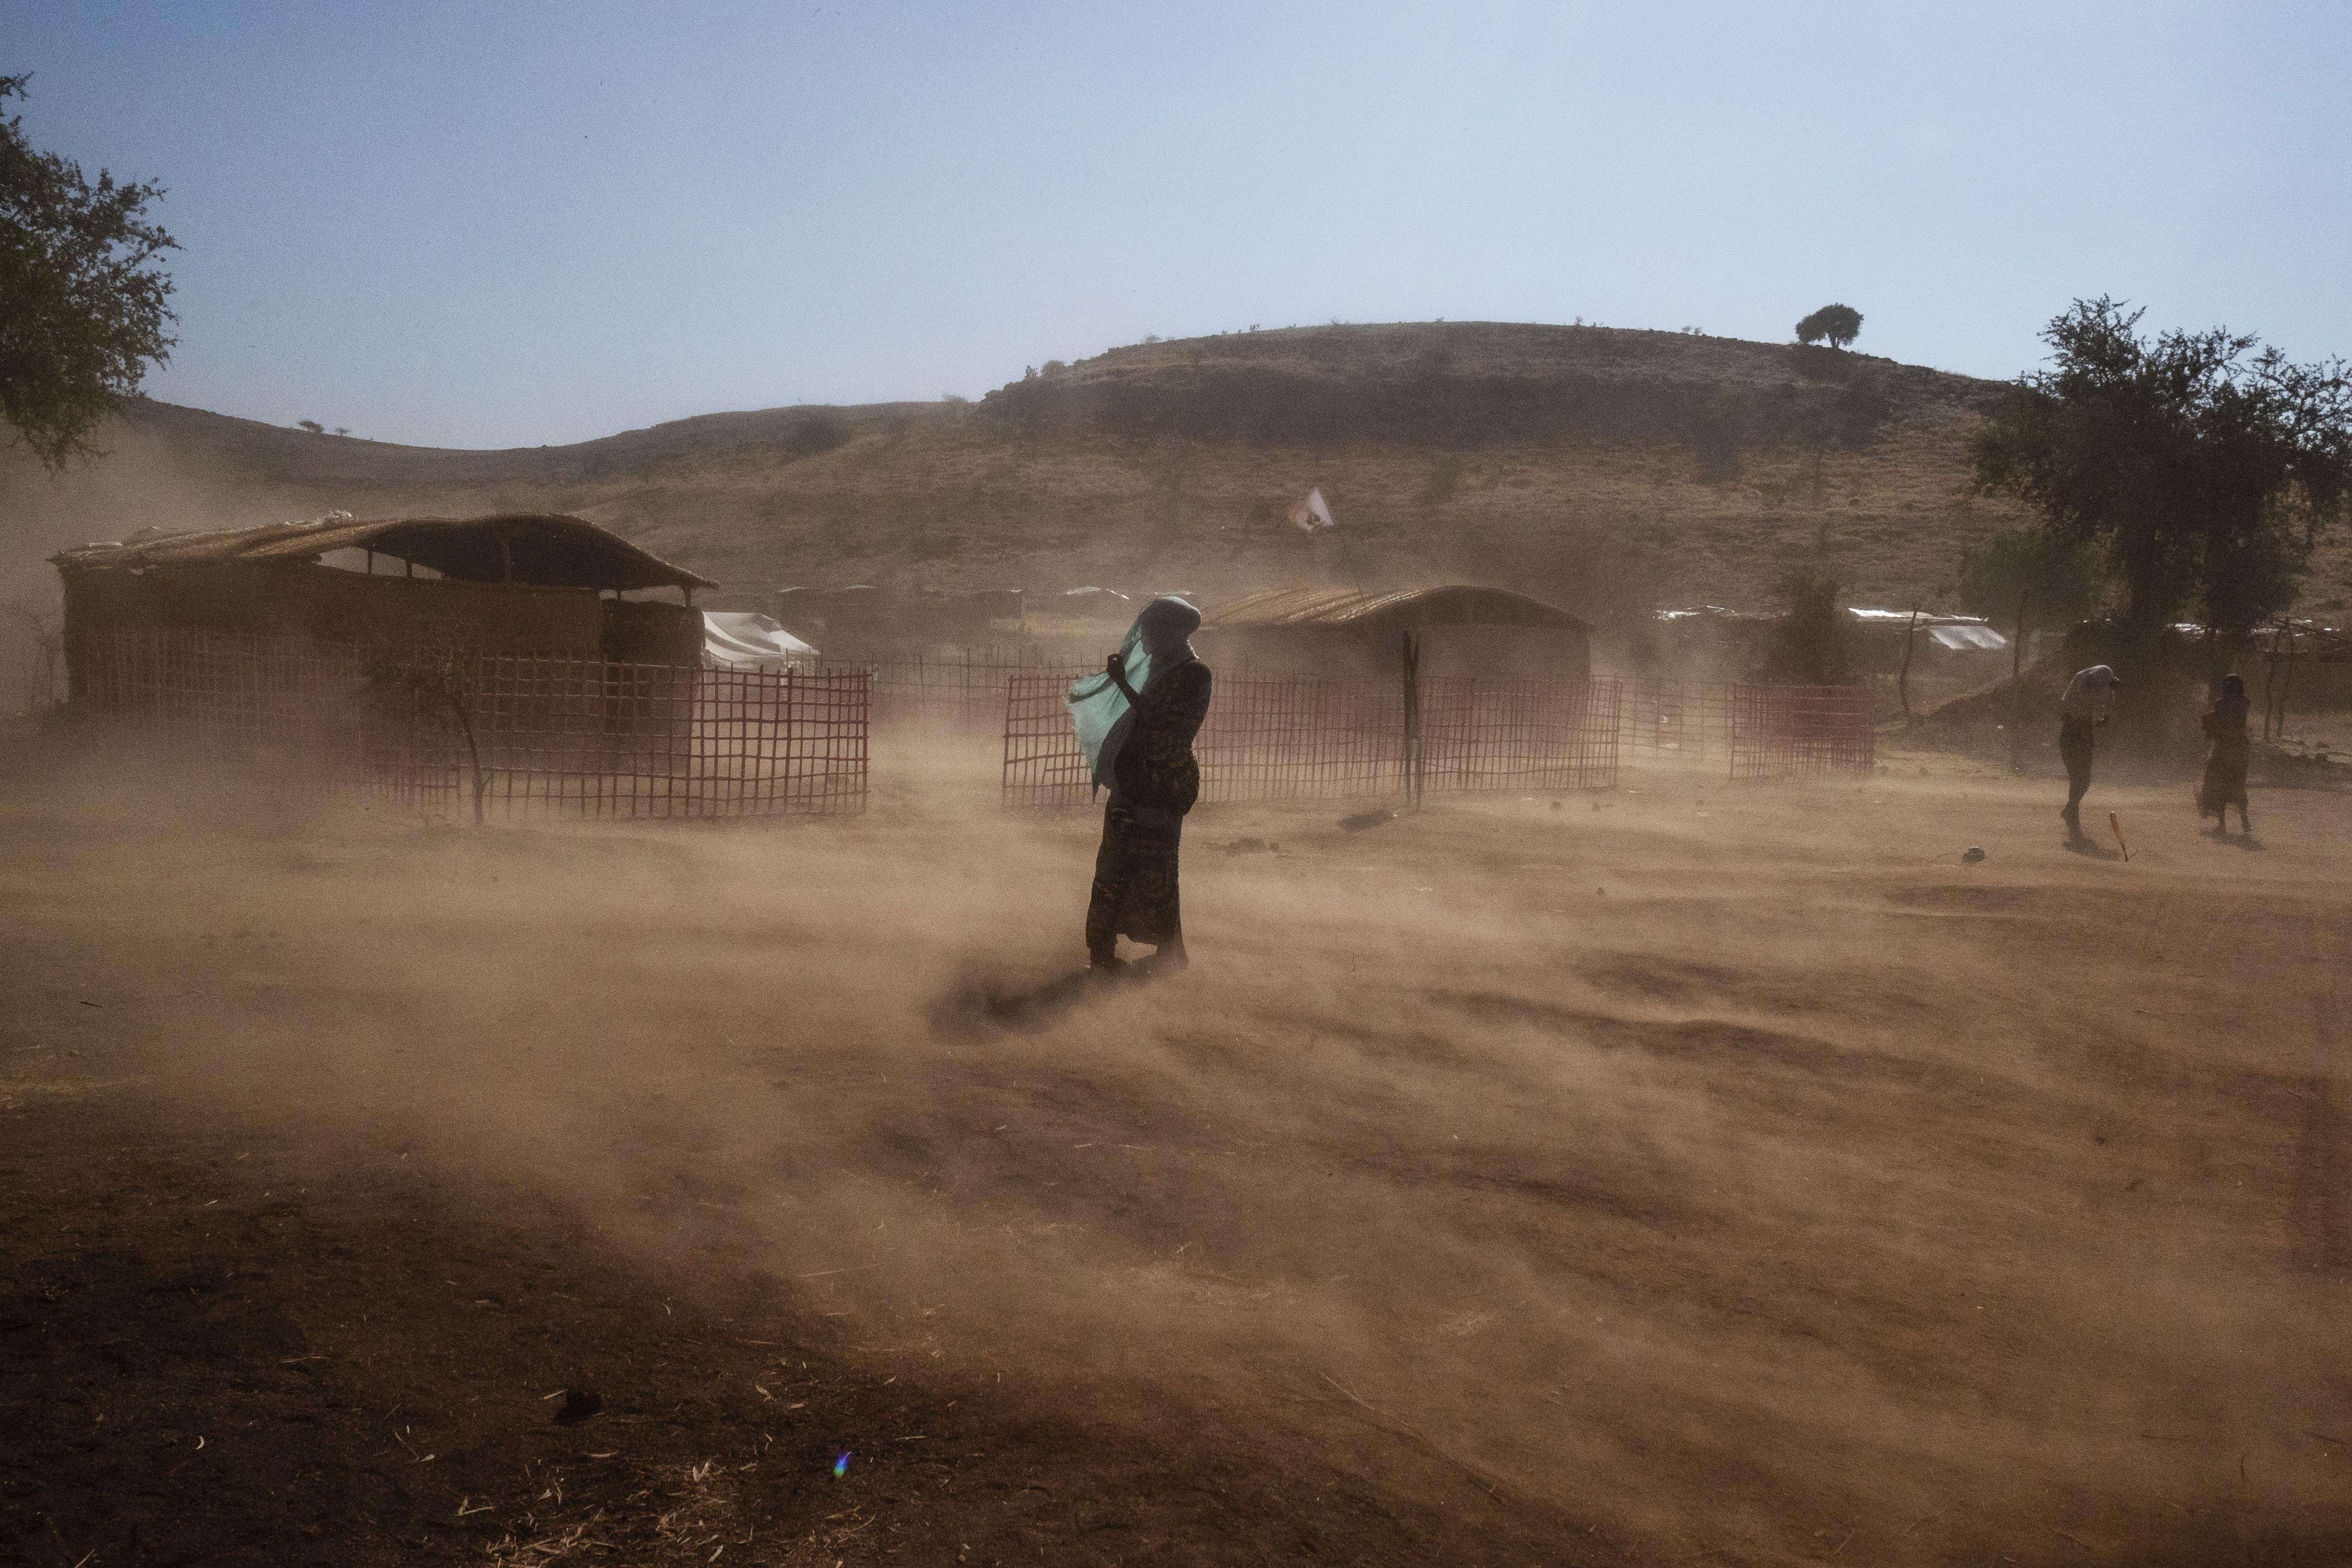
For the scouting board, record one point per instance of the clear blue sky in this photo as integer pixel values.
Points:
(503, 223)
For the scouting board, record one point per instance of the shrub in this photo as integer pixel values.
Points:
(1809, 645)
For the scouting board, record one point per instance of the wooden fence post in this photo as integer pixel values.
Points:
(1412, 737)
(2286, 677)
(2016, 694)
(2270, 677)
(1903, 680)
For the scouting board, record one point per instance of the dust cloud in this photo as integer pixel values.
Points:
(1726, 1170)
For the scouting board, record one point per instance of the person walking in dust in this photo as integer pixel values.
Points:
(2090, 698)
(2224, 784)
(1137, 721)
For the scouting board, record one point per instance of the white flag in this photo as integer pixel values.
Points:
(1312, 513)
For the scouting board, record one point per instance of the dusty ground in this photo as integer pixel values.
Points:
(1683, 1175)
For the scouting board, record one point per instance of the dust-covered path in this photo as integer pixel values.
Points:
(1680, 1172)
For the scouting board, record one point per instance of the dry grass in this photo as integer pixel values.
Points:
(681, 1514)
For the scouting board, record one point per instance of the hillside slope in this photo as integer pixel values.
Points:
(1600, 467)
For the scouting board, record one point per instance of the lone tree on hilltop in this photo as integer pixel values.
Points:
(1839, 325)
(81, 299)
(2205, 465)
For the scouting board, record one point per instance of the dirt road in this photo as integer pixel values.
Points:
(1683, 1173)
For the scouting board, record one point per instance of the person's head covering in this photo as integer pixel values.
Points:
(1164, 630)
(1157, 642)
(2088, 695)
(2234, 686)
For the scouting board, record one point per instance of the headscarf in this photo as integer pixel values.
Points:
(2089, 693)
(1158, 642)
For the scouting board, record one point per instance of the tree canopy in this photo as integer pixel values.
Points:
(82, 301)
(2204, 464)
(1839, 325)
(1809, 647)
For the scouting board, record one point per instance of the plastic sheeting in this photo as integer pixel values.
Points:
(745, 639)
(1096, 704)
(1968, 639)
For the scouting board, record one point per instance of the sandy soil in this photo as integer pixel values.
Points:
(1684, 1173)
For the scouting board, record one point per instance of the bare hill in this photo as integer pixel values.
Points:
(1599, 465)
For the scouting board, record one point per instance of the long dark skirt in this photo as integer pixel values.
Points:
(2224, 783)
(1135, 880)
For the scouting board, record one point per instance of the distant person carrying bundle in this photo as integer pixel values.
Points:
(2090, 698)
(2224, 784)
(1136, 722)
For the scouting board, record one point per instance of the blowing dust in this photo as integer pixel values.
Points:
(1724, 1171)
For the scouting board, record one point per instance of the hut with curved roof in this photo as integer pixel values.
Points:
(1346, 634)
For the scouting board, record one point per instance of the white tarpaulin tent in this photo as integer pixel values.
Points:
(745, 639)
(1959, 634)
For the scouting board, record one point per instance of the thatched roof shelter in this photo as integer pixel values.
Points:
(546, 549)
(524, 583)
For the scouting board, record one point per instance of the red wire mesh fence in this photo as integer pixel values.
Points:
(961, 692)
(1676, 721)
(1295, 738)
(588, 738)
(1786, 732)
(534, 735)
(1275, 739)
(232, 689)
(1518, 734)
(1044, 763)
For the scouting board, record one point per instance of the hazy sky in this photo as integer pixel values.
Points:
(495, 223)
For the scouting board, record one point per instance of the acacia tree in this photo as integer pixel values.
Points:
(81, 299)
(2203, 464)
(416, 689)
(1809, 645)
(1839, 325)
